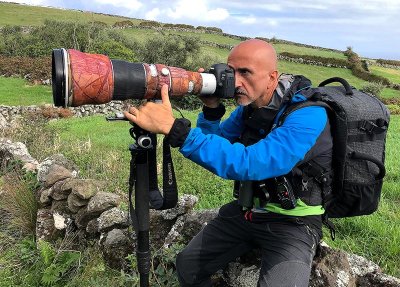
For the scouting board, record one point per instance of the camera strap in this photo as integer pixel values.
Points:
(169, 198)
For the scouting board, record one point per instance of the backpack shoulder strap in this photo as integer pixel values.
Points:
(296, 106)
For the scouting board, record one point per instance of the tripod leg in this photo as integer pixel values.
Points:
(142, 212)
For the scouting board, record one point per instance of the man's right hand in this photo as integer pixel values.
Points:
(211, 102)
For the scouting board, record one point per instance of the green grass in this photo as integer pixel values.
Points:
(392, 75)
(16, 91)
(390, 93)
(14, 14)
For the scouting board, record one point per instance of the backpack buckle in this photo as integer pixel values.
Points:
(367, 126)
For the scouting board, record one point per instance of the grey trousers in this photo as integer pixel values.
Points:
(287, 249)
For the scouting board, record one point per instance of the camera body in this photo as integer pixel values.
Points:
(81, 78)
(225, 80)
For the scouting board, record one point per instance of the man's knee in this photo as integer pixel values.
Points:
(286, 274)
(188, 271)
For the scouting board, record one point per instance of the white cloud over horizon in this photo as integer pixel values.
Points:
(369, 26)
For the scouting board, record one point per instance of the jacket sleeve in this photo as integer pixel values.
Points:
(272, 156)
(230, 129)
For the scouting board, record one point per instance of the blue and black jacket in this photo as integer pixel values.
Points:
(303, 135)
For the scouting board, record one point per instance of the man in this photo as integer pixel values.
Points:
(256, 150)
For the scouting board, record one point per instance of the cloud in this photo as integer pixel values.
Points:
(198, 11)
(152, 14)
(126, 4)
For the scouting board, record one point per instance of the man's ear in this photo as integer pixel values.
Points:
(273, 80)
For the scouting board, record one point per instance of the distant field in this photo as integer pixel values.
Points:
(140, 35)
(317, 73)
(16, 92)
(12, 14)
(308, 51)
(392, 75)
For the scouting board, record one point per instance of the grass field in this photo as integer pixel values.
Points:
(392, 75)
(16, 91)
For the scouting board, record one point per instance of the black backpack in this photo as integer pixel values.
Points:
(359, 124)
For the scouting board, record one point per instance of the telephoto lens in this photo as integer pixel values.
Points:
(81, 78)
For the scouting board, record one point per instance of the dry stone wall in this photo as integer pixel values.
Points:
(11, 112)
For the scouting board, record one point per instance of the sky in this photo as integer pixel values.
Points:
(370, 27)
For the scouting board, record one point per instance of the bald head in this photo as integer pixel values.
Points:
(256, 75)
(257, 51)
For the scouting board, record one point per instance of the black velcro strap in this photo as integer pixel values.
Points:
(369, 126)
(365, 137)
(179, 131)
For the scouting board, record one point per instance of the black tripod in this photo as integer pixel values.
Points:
(143, 182)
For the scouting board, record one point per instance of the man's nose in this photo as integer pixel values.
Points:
(238, 81)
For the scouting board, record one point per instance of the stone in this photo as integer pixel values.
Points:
(56, 173)
(361, 266)
(45, 228)
(116, 247)
(185, 203)
(93, 227)
(3, 122)
(14, 151)
(59, 192)
(60, 206)
(377, 279)
(58, 159)
(60, 221)
(102, 201)
(83, 188)
(239, 276)
(75, 203)
(331, 268)
(82, 217)
(111, 219)
(165, 225)
(45, 196)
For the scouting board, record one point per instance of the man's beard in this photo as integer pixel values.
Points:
(241, 97)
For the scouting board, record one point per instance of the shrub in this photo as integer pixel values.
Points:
(86, 37)
(171, 50)
(18, 198)
(149, 24)
(123, 24)
(324, 60)
(37, 68)
(388, 62)
(50, 112)
(373, 88)
(214, 29)
(358, 70)
(394, 109)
